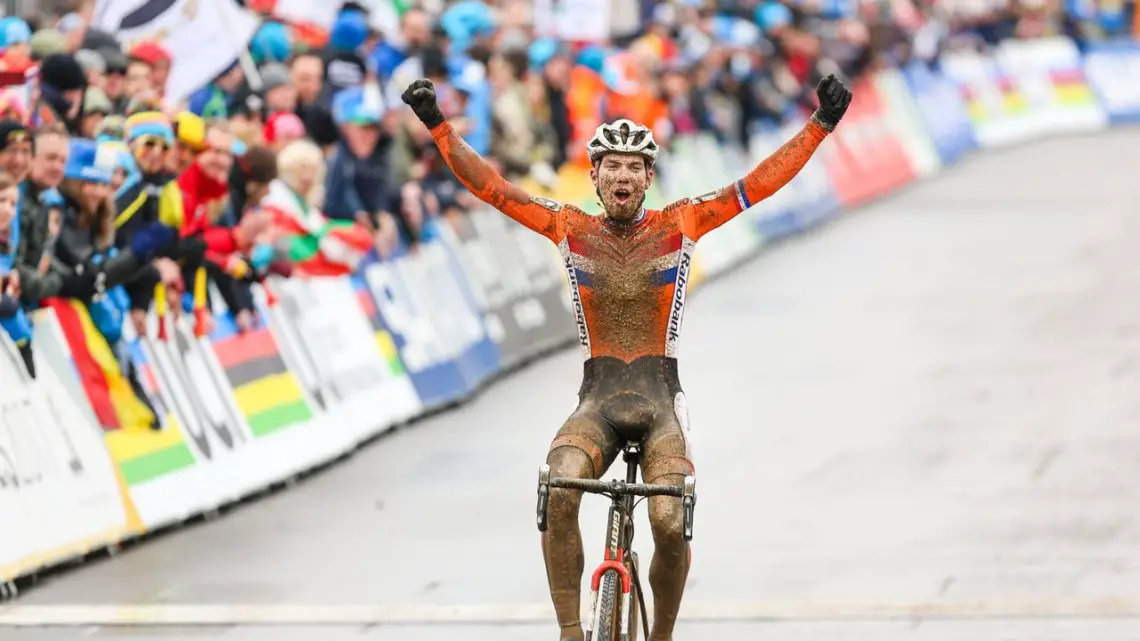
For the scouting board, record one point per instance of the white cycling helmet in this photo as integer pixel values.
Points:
(622, 137)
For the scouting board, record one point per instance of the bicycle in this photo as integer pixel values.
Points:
(619, 570)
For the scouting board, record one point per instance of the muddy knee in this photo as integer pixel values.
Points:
(568, 462)
(667, 518)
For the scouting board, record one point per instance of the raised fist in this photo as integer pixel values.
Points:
(834, 98)
(420, 96)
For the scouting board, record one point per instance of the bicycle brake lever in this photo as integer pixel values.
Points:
(689, 503)
(543, 496)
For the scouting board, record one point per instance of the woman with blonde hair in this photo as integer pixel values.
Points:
(316, 245)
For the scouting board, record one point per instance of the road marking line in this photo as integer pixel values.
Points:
(300, 614)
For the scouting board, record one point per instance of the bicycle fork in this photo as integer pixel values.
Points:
(614, 562)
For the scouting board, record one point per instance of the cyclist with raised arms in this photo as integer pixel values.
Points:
(628, 270)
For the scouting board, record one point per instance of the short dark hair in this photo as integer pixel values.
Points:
(259, 164)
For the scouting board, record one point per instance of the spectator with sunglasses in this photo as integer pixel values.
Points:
(151, 195)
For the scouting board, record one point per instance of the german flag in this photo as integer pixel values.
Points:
(267, 392)
(108, 391)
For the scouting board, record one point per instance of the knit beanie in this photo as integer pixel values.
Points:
(61, 71)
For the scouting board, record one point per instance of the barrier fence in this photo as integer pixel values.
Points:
(339, 360)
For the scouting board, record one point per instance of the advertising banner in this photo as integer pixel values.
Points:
(942, 110)
(407, 317)
(526, 309)
(59, 493)
(457, 319)
(1113, 70)
(548, 315)
(904, 120)
(489, 287)
(998, 109)
(865, 156)
(1049, 74)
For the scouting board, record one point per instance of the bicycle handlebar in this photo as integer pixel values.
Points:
(617, 487)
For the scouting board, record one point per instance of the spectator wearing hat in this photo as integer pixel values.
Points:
(96, 107)
(86, 247)
(73, 27)
(272, 43)
(216, 99)
(282, 128)
(189, 141)
(552, 66)
(152, 196)
(15, 40)
(345, 65)
(62, 85)
(158, 58)
(15, 149)
(138, 82)
(359, 185)
(47, 42)
(277, 89)
(115, 80)
(93, 65)
(86, 241)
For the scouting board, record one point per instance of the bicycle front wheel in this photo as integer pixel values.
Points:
(607, 609)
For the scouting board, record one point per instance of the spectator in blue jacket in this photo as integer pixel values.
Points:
(359, 185)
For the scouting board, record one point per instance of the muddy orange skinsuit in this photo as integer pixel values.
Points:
(628, 283)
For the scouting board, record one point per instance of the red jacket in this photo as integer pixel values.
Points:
(203, 200)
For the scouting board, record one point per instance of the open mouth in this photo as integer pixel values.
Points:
(622, 196)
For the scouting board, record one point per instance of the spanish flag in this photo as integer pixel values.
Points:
(107, 389)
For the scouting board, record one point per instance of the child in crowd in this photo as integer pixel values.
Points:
(13, 319)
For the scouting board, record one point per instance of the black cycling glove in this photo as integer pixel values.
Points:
(420, 96)
(834, 98)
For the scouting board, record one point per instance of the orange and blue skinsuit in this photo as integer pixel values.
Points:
(629, 285)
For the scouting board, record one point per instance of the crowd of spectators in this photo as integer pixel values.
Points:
(112, 195)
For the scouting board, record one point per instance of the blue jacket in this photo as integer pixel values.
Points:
(360, 184)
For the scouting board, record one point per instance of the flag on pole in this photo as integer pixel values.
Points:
(204, 37)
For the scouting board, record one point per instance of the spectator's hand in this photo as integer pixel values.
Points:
(420, 96)
(238, 268)
(153, 239)
(431, 204)
(834, 98)
(253, 227)
(138, 321)
(80, 285)
(244, 321)
(13, 285)
(168, 272)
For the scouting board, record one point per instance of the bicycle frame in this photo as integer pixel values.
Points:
(617, 555)
(619, 535)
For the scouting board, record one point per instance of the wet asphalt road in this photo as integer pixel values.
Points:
(930, 407)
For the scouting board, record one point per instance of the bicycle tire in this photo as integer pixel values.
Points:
(608, 594)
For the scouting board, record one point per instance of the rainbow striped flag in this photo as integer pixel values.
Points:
(145, 455)
(267, 393)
